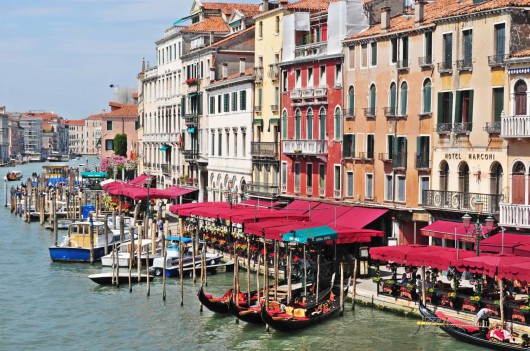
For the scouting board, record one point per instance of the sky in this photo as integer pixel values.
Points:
(62, 56)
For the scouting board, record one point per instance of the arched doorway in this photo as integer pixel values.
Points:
(496, 178)
(463, 183)
(520, 98)
(518, 186)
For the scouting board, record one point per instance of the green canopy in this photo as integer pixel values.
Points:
(164, 147)
(310, 235)
(94, 174)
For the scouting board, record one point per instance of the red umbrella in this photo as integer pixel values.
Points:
(487, 264)
(440, 259)
(519, 271)
(395, 254)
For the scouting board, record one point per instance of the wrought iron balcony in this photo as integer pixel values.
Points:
(402, 64)
(423, 162)
(305, 147)
(258, 74)
(166, 169)
(493, 127)
(312, 49)
(445, 67)
(390, 112)
(465, 64)
(191, 119)
(515, 127)
(274, 71)
(497, 60)
(262, 189)
(460, 201)
(190, 155)
(385, 157)
(274, 108)
(257, 109)
(425, 61)
(514, 215)
(462, 128)
(399, 160)
(444, 128)
(367, 156)
(369, 112)
(349, 113)
(264, 150)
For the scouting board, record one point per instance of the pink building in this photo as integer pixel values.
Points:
(122, 119)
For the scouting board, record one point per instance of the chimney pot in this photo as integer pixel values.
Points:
(224, 70)
(385, 18)
(418, 11)
(242, 66)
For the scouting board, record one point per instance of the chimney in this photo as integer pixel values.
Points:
(418, 11)
(242, 66)
(212, 74)
(265, 5)
(224, 70)
(385, 18)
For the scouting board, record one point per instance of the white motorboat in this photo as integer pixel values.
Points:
(124, 253)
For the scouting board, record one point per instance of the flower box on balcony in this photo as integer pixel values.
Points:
(192, 81)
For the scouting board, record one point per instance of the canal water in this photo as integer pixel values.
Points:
(54, 306)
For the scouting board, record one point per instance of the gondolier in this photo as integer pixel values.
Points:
(483, 318)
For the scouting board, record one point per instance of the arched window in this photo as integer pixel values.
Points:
(371, 108)
(284, 125)
(309, 124)
(463, 177)
(444, 176)
(426, 96)
(518, 183)
(520, 98)
(338, 129)
(297, 124)
(404, 92)
(322, 124)
(496, 184)
(392, 99)
(351, 102)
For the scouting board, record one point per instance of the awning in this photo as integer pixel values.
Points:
(522, 250)
(182, 19)
(175, 191)
(394, 253)
(190, 95)
(519, 271)
(140, 180)
(300, 206)
(440, 258)
(310, 235)
(450, 230)
(94, 174)
(235, 23)
(355, 235)
(506, 242)
(327, 213)
(191, 130)
(272, 121)
(357, 217)
(164, 147)
(488, 264)
(258, 121)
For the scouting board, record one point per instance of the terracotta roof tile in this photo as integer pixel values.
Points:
(310, 5)
(522, 53)
(209, 24)
(232, 36)
(92, 117)
(227, 8)
(75, 122)
(123, 111)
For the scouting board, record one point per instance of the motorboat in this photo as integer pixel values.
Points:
(14, 175)
(34, 156)
(121, 277)
(124, 253)
(62, 224)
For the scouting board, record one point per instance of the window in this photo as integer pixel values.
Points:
(284, 176)
(322, 124)
(373, 53)
(352, 56)
(338, 124)
(212, 105)
(448, 50)
(370, 138)
(227, 143)
(498, 103)
(322, 79)
(337, 181)
(423, 152)
(348, 145)
(394, 50)
(322, 178)
(426, 96)
(297, 124)
(219, 104)
(369, 187)
(424, 186)
(351, 103)
(520, 89)
(285, 86)
(392, 96)
(338, 75)
(109, 144)
(403, 99)
(499, 42)
(399, 149)
(468, 48)
(226, 102)
(405, 52)
(109, 125)
(372, 100)
(349, 184)
(284, 125)
(364, 55)
(297, 177)
(219, 143)
(390, 145)
(309, 124)
(401, 191)
(276, 98)
(243, 100)
(309, 77)
(234, 101)
(445, 108)
(464, 108)
(260, 29)
(389, 187)
(235, 143)
(277, 25)
(428, 48)
(260, 98)
(244, 144)
(298, 79)
(309, 177)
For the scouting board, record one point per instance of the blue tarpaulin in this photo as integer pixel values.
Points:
(310, 235)
(55, 181)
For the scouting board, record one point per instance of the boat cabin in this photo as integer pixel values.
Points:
(92, 180)
(79, 233)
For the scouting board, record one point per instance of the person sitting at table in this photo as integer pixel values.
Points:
(404, 279)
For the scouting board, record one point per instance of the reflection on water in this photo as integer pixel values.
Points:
(54, 306)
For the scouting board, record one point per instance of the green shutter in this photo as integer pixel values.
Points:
(212, 106)
(458, 107)
(470, 110)
(395, 151)
(405, 152)
(498, 103)
(183, 106)
(199, 104)
(440, 108)
(393, 98)
(353, 145)
(404, 92)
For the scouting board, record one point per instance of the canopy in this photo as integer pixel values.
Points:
(451, 231)
(261, 203)
(184, 239)
(487, 264)
(395, 253)
(522, 250)
(326, 213)
(440, 259)
(175, 191)
(506, 242)
(140, 180)
(276, 232)
(300, 206)
(358, 217)
(519, 271)
(105, 183)
(164, 147)
(310, 235)
(356, 235)
(93, 174)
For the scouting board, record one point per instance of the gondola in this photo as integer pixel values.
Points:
(295, 319)
(217, 305)
(469, 334)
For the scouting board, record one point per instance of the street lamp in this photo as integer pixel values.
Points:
(478, 230)
(229, 195)
(148, 183)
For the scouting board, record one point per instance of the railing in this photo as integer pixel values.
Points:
(297, 189)
(305, 147)
(493, 127)
(425, 61)
(445, 67)
(309, 190)
(515, 126)
(166, 169)
(284, 188)
(423, 162)
(274, 71)
(191, 118)
(336, 194)
(257, 109)
(295, 94)
(402, 64)
(190, 155)
(497, 60)
(264, 149)
(307, 93)
(456, 200)
(462, 128)
(274, 108)
(369, 112)
(444, 128)
(349, 113)
(262, 189)
(322, 192)
(346, 153)
(390, 111)
(514, 215)
(310, 49)
(320, 92)
(366, 155)
(399, 160)
(464, 65)
(258, 74)
(385, 157)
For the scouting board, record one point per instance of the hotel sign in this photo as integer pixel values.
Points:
(470, 156)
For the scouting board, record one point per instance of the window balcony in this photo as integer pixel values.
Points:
(515, 127)
(258, 74)
(309, 191)
(262, 189)
(369, 112)
(366, 156)
(166, 169)
(295, 94)
(461, 202)
(337, 194)
(385, 157)
(423, 162)
(313, 49)
(445, 67)
(274, 71)
(320, 92)
(498, 60)
(462, 128)
(390, 112)
(322, 192)
(307, 93)
(349, 113)
(425, 61)
(297, 189)
(257, 109)
(191, 119)
(264, 150)
(402, 65)
(464, 65)
(399, 161)
(444, 128)
(190, 155)
(493, 127)
(514, 215)
(274, 108)
(284, 188)
(305, 147)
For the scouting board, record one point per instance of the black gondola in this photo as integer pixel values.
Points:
(469, 335)
(217, 305)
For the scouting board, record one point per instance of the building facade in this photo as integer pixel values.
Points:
(122, 119)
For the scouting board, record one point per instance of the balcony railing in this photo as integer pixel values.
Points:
(423, 162)
(312, 49)
(497, 60)
(514, 215)
(274, 108)
(425, 61)
(297, 189)
(305, 147)
(284, 188)
(257, 109)
(515, 126)
(369, 112)
(465, 65)
(274, 71)
(166, 169)
(262, 189)
(349, 113)
(399, 160)
(460, 201)
(309, 190)
(191, 119)
(258, 74)
(445, 67)
(307, 93)
(296, 94)
(462, 128)
(390, 111)
(403, 64)
(320, 92)
(493, 127)
(336, 194)
(444, 128)
(264, 150)
(368, 156)
(322, 192)
(385, 157)
(190, 155)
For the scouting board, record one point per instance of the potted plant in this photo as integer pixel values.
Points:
(191, 81)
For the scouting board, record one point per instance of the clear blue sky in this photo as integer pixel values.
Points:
(62, 55)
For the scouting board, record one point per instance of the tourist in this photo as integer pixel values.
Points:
(404, 279)
(160, 225)
(483, 318)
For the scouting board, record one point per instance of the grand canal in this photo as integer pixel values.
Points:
(54, 306)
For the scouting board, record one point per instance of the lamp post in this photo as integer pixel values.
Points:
(229, 195)
(148, 182)
(478, 229)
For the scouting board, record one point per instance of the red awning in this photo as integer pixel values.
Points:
(487, 264)
(394, 253)
(175, 191)
(276, 233)
(140, 180)
(261, 203)
(449, 230)
(356, 235)
(326, 213)
(111, 184)
(519, 271)
(261, 217)
(522, 250)
(300, 206)
(358, 217)
(440, 259)
(503, 243)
